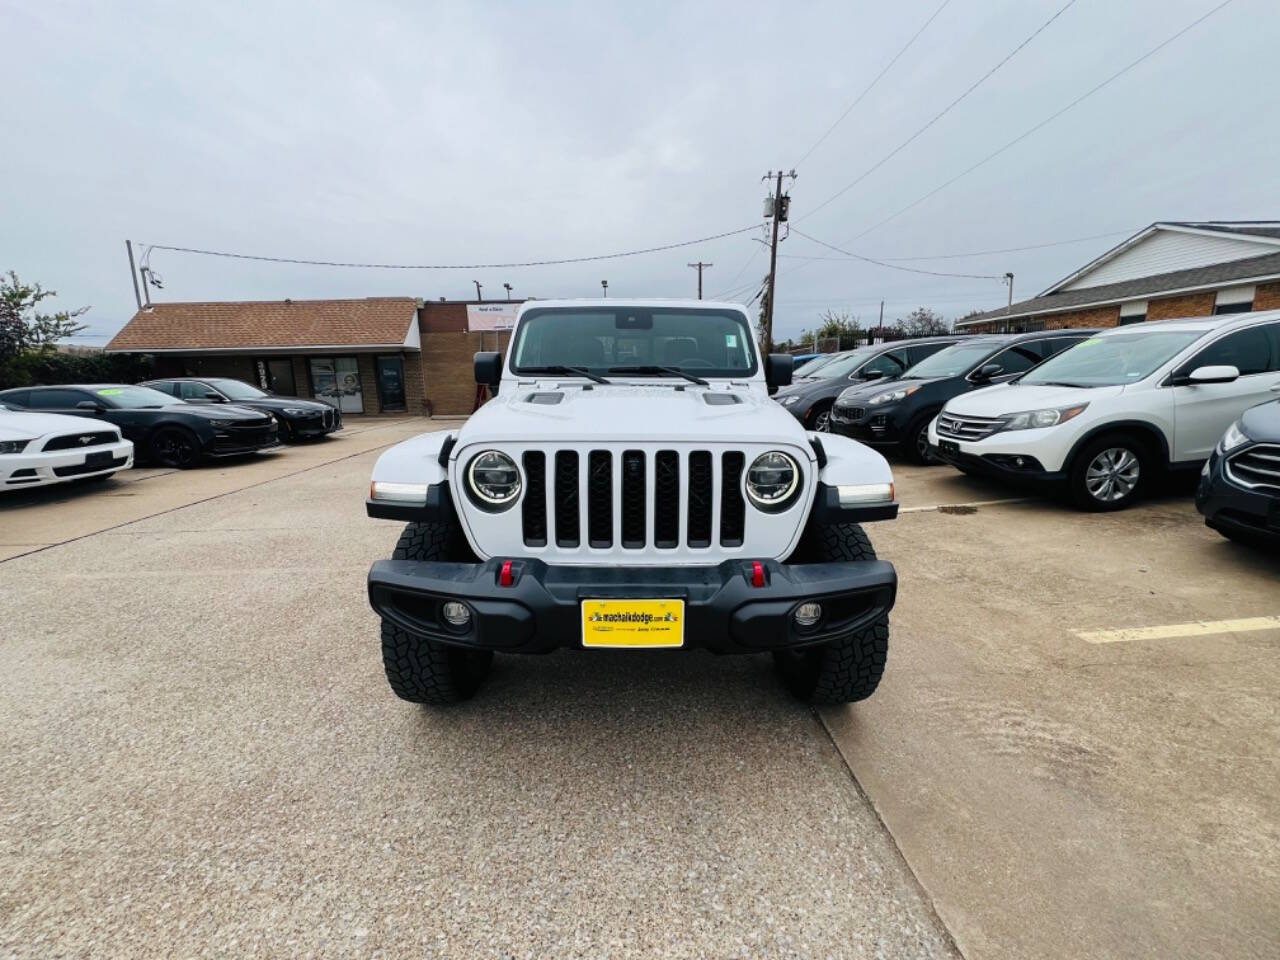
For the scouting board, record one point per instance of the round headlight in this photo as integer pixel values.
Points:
(493, 479)
(772, 480)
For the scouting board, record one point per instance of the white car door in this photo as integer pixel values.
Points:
(1202, 412)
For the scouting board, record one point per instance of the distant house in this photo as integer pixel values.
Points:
(1170, 269)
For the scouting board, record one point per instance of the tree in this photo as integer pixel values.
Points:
(922, 322)
(22, 328)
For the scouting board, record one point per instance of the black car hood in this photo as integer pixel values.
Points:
(817, 389)
(870, 389)
(1263, 422)
(280, 403)
(221, 411)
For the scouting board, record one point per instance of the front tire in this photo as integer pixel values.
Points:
(419, 669)
(174, 447)
(848, 668)
(1110, 473)
(916, 446)
(820, 418)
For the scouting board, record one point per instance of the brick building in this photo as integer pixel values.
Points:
(372, 355)
(1168, 270)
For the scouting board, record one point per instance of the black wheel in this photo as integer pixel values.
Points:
(848, 668)
(916, 446)
(1109, 472)
(418, 669)
(174, 447)
(820, 418)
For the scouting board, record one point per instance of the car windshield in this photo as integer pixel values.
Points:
(844, 364)
(133, 398)
(1112, 360)
(707, 343)
(238, 390)
(950, 362)
(816, 364)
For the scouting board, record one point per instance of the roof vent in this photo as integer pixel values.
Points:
(721, 399)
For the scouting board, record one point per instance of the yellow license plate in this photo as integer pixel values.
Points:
(633, 623)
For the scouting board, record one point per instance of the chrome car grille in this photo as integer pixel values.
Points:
(967, 428)
(1258, 466)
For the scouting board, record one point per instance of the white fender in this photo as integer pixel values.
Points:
(415, 460)
(851, 462)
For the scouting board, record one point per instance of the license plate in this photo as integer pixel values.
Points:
(102, 458)
(948, 446)
(633, 623)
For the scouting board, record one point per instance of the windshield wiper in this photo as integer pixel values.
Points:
(673, 371)
(563, 371)
(1058, 383)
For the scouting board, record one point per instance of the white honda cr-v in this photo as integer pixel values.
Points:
(1103, 417)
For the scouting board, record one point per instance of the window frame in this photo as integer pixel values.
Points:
(1270, 330)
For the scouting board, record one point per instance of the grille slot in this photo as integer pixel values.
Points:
(1259, 466)
(733, 511)
(566, 489)
(534, 506)
(967, 428)
(633, 505)
(600, 499)
(72, 441)
(700, 506)
(666, 500)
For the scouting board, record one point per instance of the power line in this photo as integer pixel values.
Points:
(867, 89)
(976, 253)
(894, 266)
(945, 110)
(1046, 121)
(451, 266)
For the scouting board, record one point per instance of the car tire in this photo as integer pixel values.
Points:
(174, 447)
(421, 670)
(819, 419)
(916, 447)
(1109, 472)
(848, 668)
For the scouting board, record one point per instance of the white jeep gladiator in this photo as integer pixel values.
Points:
(632, 485)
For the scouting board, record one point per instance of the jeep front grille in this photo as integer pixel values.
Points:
(648, 487)
(1258, 466)
(967, 428)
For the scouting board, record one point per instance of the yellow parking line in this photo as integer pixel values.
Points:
(1197, 628)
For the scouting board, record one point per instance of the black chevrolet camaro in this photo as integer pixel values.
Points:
(163, 430)
(1239, 491)
(299, 419)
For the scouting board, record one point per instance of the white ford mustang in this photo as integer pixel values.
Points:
(37, 449)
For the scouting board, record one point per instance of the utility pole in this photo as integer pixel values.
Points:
(1008, 278)
(604, 285)
(700, 266)
(777, 206)
(507, 287)
(133, 273)
(479, 295)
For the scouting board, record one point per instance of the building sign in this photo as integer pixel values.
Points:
(491, 316)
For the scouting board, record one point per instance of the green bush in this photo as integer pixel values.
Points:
(47, 367)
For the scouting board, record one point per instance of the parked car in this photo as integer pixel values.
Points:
(813, 366)
(1121, 407)
(163, 430)
(37, 449)
(810, 401)
(632, 485)
(1239, 493)
(897, 415)
(298, 419)
(799, 360)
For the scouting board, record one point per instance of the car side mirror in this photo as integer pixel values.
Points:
(987, 371)
(1224, 373)
(488, 369)
(872, 375)
(779, 369)
(92, 406)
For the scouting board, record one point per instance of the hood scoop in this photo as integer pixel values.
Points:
(545, 398)
(721, 399)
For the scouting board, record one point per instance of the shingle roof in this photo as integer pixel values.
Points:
(374, 321)
(1264, 266)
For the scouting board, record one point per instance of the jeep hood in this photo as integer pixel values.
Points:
(1014, 398)
(618, 412)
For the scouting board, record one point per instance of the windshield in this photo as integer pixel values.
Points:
(814, 365)
(844, 364)
(238, 390)
(1112, 361)
(951, 362)
(708, 343)
(133, 398)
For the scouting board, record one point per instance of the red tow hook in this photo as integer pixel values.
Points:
(505, 577)
(757, 573)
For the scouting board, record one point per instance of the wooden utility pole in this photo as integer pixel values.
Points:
(700, 266)
(479, 295)
(133, 273)
(777, 210)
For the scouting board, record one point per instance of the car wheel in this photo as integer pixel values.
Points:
(820, 420)
(917, 446)
(419, 669)
(1109, 473)
(174, 447)
(848, 668)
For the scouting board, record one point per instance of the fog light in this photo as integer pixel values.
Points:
(807, 614)
(458, 614)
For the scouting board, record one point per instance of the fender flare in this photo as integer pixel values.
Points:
(1145, 428)
(842, 461)
(419, 461)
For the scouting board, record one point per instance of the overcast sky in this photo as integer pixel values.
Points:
(490, 132)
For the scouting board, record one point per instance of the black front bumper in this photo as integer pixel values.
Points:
(1032, 474)
(1234, 510)
(881, 426)
(541, 610)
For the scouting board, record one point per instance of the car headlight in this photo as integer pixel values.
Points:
(12, 446)
(892, 396)
(1035, 419)
(295, 411)
(772, 480)
(1234, 437)
(493, 480)
(789, 401)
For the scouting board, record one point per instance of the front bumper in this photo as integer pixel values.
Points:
(1026, 459)
(882, 425)
(1232, 509)
(38, 469)
(541, 610)
(235, 441)
(318, 424)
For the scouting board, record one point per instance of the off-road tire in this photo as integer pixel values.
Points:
(848, 668)
(418, 669)
(1076, 472)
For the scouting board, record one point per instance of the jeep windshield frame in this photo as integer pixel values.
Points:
(706, 342)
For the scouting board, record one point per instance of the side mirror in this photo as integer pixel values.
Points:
(488, 369)
(986, 372)
(778, 370)
(871, 375)
(91, 406)
(1214, 374)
